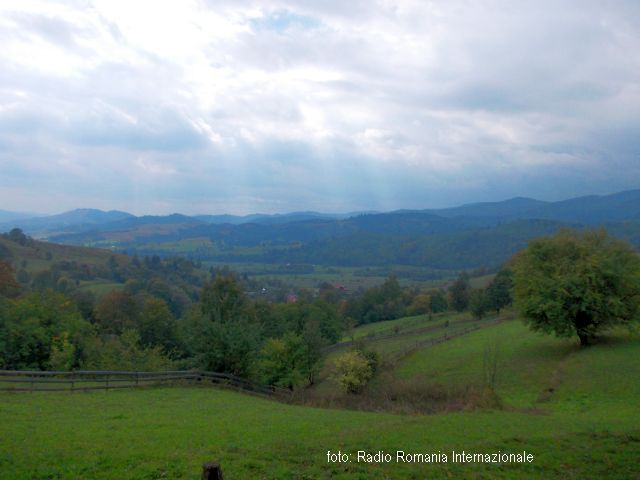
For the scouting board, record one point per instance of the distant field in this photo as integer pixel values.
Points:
(99, 287)
(482, 281)
(46, 254)
(353, 278)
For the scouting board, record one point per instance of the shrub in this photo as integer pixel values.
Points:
(352, 371)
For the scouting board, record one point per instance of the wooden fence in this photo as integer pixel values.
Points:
(449, 335)
(450, 331)
(84, 380)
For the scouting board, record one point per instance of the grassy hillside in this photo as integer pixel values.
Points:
(576, 410)
(169, 433)
(40, 255)
(536, 370)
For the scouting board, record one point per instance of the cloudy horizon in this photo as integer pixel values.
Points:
(242, 107)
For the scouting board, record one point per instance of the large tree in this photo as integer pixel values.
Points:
(577, 284)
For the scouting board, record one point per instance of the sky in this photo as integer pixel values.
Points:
(237, 106)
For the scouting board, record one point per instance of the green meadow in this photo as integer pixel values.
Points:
(577, 411)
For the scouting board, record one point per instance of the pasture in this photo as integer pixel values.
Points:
(576, 410)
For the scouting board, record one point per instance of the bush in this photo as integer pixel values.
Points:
(352, 371)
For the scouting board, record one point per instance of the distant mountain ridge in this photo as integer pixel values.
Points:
(7, 216)
(512, 207)
(78, 218)
(587, 209)
(467, 236)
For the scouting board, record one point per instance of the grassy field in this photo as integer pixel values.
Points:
(405, 324)
(43, 255)
(536, 370)
(353, 278)
(577, 411)
(170, 432)
(99, 287)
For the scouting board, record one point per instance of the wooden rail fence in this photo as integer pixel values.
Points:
(441, 338)
(84, 380)
(390, 333)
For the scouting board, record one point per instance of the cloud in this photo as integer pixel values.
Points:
(210, 106)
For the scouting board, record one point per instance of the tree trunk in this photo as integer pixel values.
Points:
(584, 339)
(582, 323)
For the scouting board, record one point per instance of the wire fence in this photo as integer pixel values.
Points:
(86, 380)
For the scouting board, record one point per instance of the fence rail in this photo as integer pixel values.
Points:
(391, 333)
(449, 335)
(81, 380)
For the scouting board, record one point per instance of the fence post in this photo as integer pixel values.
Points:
(106, 388)
(211, 471)
(73, 377)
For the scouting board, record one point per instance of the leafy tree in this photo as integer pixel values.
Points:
(281, 361)
(225, 335)
(18, 236)
(8, 285)
(312, 341)
(85, 301)
(438, 301)
(385, 302)
(499, 291)
(478, 303)
(459, 293)
(63, 353)
(577, 284)
(421, 304)
(116, 312)
(156, 324)
(123, 353)
(223, 299)
(34, 327)
(228, 347)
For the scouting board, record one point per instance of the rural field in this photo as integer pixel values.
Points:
(299, 240)
(575, 410)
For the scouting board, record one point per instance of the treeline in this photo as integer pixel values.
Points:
(225, 330)
(446, 249)
(480, 301)
(170, 314)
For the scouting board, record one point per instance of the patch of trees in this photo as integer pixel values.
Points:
(165, 314)
(480, 301)
(385, 302)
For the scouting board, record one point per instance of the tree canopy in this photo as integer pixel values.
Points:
(577, 284)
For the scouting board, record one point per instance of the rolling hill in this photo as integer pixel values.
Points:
(575, 410)
(465, 237)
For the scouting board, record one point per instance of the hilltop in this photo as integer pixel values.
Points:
(466, 237)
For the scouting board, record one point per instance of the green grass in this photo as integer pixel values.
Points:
(482, 281)
(353, 278)
(576, 410)
(405, 324)
(36, 255)
(170, 432)
(529, 364)
(99, 287)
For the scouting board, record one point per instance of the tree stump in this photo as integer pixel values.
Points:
(211, 471)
